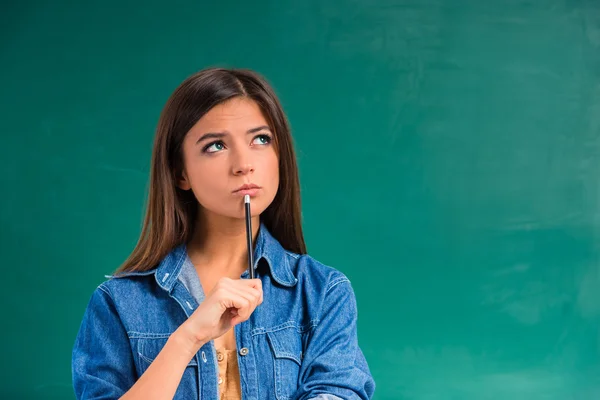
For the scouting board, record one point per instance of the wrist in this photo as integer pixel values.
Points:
(188, 340)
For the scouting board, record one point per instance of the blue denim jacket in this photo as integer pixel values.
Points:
(300, 343)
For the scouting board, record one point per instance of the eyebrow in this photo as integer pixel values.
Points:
(258, 129)
(219, 135)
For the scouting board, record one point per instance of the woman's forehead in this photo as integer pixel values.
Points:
(234, 111)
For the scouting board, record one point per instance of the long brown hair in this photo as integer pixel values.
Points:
(170, 211)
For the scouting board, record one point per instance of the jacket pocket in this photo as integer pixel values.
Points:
(147, 351)
(286, 345)
(149, 348)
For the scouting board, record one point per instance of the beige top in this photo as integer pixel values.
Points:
(229, 375)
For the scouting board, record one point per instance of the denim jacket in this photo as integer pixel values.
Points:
(300, 343)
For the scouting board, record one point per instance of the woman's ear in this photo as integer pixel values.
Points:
(183, 182)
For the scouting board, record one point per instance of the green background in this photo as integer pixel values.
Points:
(449, 154)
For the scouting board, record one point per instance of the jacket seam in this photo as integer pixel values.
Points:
(290, 324)
(335, 282)
(106, 290)
(144, 335)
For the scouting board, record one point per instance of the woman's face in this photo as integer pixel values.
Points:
(229, 147)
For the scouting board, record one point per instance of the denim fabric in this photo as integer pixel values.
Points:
(300, 343)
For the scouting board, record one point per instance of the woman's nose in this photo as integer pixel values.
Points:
(243, 169)
(242, 165)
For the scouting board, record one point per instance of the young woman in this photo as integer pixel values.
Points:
(181, 318)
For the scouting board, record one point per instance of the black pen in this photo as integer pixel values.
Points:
(249, 235)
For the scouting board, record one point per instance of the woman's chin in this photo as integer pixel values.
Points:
(234, 214)
(236, 209)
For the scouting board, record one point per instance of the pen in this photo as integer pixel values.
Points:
(249, 235)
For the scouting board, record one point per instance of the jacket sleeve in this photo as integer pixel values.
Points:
(102, 363)
(333, 365)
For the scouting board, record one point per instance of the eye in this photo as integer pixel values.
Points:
(213, 147)
(262, 139)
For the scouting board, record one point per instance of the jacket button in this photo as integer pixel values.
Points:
(244, 351)
(220, 356)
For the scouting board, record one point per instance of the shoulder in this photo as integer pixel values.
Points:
(316, 274)
(128, 279)
(124, 287)
(324, 290)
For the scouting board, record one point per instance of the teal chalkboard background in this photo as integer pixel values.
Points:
(450, 166)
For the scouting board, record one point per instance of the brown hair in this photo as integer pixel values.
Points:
(170, 211)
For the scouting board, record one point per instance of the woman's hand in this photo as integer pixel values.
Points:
(230, 302)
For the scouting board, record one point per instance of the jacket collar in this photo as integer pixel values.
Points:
(267, 248)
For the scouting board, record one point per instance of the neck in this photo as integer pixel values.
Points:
(219, 245)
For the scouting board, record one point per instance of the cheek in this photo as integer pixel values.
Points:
(272, 169)
(205, 178)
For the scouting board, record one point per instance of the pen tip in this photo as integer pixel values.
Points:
(247, 198)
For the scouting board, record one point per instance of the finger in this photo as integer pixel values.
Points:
(254, 284)
(236, 320)
(252, 296)
(229, 288)
(254, 289)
